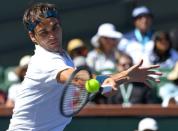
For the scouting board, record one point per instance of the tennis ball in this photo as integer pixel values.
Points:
(92, 86)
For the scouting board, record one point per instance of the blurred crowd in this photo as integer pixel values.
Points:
(114, 51)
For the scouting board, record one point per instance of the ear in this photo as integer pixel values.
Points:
(32, 37)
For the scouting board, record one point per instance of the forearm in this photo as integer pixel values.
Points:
(64, 75)
(121, 78)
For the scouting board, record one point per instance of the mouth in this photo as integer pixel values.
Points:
(53, 42)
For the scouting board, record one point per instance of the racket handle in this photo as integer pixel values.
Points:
(105, 89)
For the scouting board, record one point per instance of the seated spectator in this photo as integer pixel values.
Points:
(78, 51)
(102, 59)
(20, 72)
(161, 51)
(132, 93)
(148, 124)
(129, 93)
(169, 91)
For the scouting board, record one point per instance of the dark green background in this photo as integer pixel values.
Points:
(108, 123)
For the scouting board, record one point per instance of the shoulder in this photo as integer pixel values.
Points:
(174, 53)
(130, 35)
(48, 66)
(149, 46)
(92, 54)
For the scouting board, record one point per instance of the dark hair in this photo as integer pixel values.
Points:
(158, 36)
(37, 12)
(125, 55)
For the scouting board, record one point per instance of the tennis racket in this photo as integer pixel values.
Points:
(75, 96)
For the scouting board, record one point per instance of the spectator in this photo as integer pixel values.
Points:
(162, 52)
(132, 93)
(103, 58)
(134, 42)
(20, 71)
(78, 51)
(148, 124)
(124, 62)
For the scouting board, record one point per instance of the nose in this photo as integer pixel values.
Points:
(51, 34)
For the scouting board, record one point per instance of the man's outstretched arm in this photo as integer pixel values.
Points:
(137, 73)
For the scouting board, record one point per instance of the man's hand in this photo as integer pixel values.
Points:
(110, 83)
(137, 73)
(143, 74)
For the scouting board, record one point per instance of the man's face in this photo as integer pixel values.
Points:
(143, 23)
(48, 34)
(124, 64)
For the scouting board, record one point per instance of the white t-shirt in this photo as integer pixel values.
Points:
(37, 102)
(100, 63)
(13, 90)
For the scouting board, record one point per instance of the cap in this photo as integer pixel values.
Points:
(148, 123)
(74, 44)
(141, 10)
(106, 30)
(173, 75)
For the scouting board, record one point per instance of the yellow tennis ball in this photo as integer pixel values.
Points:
(92, 86)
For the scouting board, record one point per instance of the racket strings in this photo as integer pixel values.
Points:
(74, 99)
(75, 95)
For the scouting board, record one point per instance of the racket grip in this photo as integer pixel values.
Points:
(105, 89)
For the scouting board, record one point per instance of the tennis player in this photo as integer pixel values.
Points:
(37, 104)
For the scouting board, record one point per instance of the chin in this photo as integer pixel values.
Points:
(53, 50)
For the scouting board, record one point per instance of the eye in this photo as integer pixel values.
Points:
(42, 33)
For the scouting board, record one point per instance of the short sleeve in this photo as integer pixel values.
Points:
(46, 69)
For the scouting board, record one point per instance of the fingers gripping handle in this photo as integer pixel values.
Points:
(104, 88)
